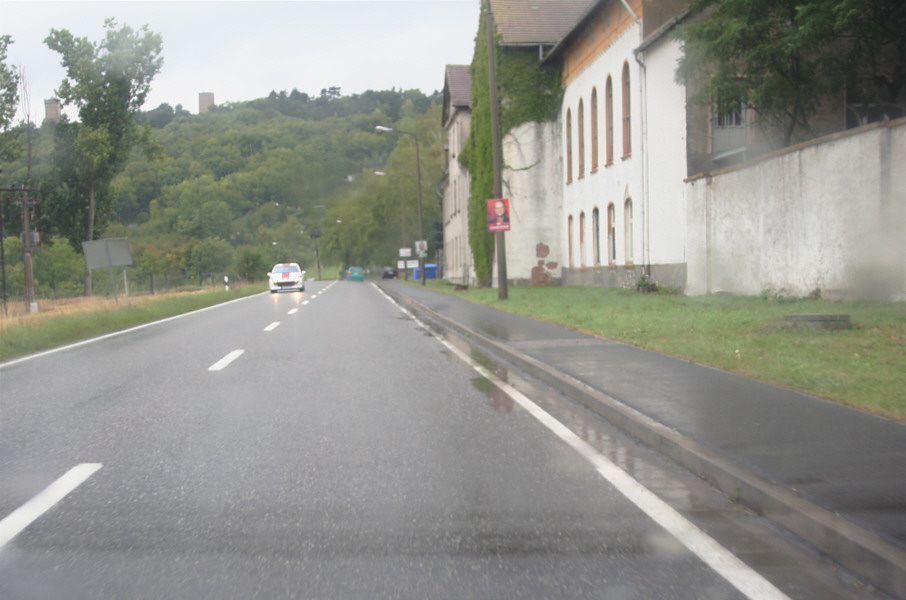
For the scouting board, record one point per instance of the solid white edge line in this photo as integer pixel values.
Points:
(116, 333)
(226, 360)
(745, 579)
(272, 326)
(29, 512)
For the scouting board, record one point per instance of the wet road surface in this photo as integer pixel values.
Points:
(339, 450)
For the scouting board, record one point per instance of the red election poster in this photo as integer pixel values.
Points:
(498, 214)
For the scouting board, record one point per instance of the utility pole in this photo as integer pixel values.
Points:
(499, 239)
(27, 206)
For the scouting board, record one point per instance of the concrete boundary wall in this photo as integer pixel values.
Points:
(827, 215)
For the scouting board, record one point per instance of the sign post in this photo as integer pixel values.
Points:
(498, 223)
(405, 253)
(109, 253)
(421, 251)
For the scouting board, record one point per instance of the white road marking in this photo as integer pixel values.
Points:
(293, 311)
(29, 512)
(226, 360)
(272, 326)
(745, 579)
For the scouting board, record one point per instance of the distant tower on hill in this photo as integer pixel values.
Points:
(53, 110)
(205, 102)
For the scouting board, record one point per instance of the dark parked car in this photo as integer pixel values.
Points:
(389, 273)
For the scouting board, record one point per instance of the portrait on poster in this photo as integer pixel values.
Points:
(498, 214)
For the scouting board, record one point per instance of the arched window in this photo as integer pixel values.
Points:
(569, 146)
(594, 129)
(569, 238)
(580, 137)
(596, 235)
(582, 238)
(611, 234)
(608, 118)
(627, 120)
(627, 230)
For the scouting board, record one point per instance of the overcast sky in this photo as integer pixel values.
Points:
(241, 50)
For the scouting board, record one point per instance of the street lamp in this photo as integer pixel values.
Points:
(418, 180)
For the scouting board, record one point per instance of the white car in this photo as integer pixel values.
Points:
(286, 276)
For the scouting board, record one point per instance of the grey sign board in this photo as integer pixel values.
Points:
(111, 252)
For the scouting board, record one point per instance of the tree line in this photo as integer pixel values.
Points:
(286, 177)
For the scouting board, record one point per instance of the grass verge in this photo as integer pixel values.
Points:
(58, 325)
(864, 366)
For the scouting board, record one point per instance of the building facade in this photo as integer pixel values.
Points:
(636, 184)
(622, 196)
(531, 166)
(457, 256)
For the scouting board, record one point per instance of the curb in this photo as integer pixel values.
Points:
(863, 552)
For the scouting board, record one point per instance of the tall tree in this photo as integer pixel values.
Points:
(108, 83)
(787, 58)
(9, 97)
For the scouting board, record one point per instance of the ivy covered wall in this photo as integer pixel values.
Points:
(527, 92)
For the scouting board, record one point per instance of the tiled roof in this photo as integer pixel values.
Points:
(457, 91)
(531, 22)
(459, 84)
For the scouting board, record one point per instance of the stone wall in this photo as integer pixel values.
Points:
(828, 215)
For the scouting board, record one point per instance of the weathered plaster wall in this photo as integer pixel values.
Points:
(532, 181)
(827, 215)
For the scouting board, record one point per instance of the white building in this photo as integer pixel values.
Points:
(531, 165)
(623, 153)
(634, 182)
(458, 265)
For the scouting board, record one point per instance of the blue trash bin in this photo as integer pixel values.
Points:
(416, 273)
(431, 271)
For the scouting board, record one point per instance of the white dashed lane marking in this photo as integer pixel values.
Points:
(226, 360)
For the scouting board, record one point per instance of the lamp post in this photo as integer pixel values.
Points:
(418, 181)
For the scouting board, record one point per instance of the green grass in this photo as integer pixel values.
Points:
(864, 366)
(62, 325)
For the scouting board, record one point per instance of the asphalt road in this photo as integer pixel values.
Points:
(325, 445)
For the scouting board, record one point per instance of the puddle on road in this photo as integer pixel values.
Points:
(652, 471)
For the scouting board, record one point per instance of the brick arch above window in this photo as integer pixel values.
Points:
(608, 121)
(594, 129)
(627, 111)
(569, 145)
(580, 138)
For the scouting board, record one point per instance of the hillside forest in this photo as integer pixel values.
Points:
(231, 192)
